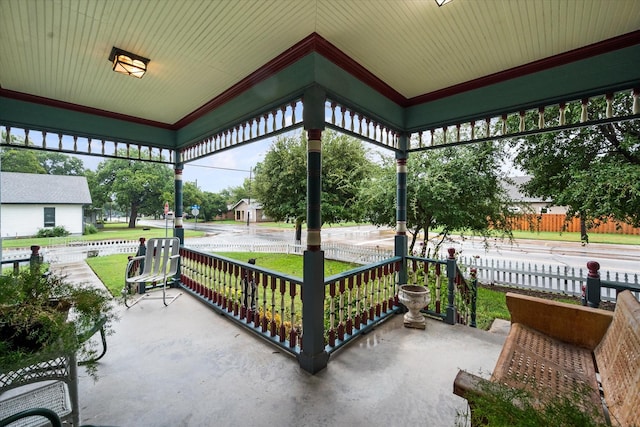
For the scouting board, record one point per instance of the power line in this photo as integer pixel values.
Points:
(217, 167)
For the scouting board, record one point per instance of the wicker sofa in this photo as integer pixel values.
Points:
(555, 348)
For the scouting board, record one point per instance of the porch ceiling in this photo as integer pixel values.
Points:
(206, 53)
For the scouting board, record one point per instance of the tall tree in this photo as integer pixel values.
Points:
(20, 160)
(233, 195)
(593, 171)
(36, 161)
(191, 195)
(281, 179)
(142, 187)
(60, 164)
(452, 189)
(212, 205)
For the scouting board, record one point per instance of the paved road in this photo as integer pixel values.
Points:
(613, 258)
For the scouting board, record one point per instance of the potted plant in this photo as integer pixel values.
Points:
(42, 316)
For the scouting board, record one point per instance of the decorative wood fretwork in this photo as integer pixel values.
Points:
(348, 121)
(74, 144)
(606, 108)
(269, 123)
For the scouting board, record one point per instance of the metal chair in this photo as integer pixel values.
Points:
(29, 415)
(50, 384)
(159, 266)
(47, 389)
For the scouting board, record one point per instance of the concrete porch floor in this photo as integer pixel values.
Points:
(185, 365)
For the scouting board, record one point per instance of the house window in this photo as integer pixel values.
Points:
(49, 217)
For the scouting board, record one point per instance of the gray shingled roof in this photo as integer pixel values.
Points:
(515, 192)
(24, 188)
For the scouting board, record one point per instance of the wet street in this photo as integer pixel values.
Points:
(624, 259)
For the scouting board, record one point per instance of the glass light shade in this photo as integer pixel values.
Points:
(128, 63)
(125, 65)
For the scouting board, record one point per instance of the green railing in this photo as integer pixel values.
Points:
(265, 302)
(269, 304)
(453, 298)
(358, 299)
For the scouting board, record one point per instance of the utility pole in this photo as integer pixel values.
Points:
(249, 204)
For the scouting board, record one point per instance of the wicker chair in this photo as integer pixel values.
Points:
(554, 349)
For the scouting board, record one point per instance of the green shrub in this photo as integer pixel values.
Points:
(34, 318)
(90, 229)
(58, 231)
(498, 405)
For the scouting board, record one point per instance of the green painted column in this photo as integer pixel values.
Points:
(401, 206)
(178, 231)
(313, 356)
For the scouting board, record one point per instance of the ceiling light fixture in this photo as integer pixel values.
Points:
(128, 63)
(442, 2)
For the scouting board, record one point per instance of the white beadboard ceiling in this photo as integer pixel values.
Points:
(58, 49)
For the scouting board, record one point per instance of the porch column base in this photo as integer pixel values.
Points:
(313, 363)
(401, 251)
(179, 233)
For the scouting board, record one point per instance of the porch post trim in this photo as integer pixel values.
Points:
(313, 356)
(401, 207)
(178, 230)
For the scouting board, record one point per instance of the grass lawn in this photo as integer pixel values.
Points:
(110, 269)
(489, 306)
(110, 232)
(607, 238)
(288, 264)
(618, 239)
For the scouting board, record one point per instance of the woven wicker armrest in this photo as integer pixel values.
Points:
(618, 359)
(573, 324)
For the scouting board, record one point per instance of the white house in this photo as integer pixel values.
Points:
(29, 202)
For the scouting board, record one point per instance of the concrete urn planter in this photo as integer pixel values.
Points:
(415, 298)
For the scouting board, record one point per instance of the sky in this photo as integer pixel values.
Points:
(225, 169)
(218, 171)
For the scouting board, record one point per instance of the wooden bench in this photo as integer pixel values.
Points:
(554, 349)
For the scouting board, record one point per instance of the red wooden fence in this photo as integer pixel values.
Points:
(556, 222)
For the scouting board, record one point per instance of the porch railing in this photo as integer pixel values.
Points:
(358, 299)
(594, 287)
(453, 298)
(269, 303)
(17, 260)
(265, 302)
(544, 277)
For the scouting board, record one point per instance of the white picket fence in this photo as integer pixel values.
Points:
(77, 250)
(340, 252)
(558, 279)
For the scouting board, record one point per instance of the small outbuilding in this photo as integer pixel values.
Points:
(251, 209)
(30, 202)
